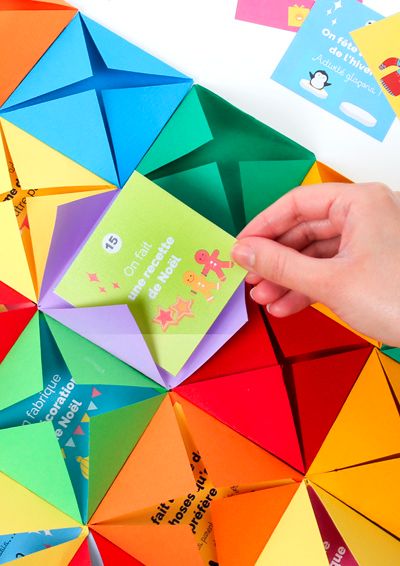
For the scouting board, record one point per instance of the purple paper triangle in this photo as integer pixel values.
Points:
(75, 221)
(114, 329)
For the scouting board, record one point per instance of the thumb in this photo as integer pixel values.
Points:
(284, 266)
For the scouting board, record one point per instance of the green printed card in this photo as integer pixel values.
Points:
(170, 266)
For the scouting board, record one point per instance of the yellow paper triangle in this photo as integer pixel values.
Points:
(373, 490)
(23, 511)
(296, 540)
(59, 555)
(321, 173)
(14, 269)
(392, 370)
(368, 426)
(85, 418)
(313, 177)
(369, 544)
(42, 214)
(327, 312)
(40, 167)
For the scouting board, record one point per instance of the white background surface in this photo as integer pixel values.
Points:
(235, 59)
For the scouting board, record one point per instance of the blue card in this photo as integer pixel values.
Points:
(324, 66)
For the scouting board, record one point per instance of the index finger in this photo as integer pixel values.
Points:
(299, 205)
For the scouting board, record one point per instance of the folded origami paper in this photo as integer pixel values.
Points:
(39, 20)
(280, 442)
(234, 164)
(97, 99)
(380, 46)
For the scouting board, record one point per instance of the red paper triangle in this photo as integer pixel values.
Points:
(112, 554)
(248, 349)
(12, 299)
(12, 323)
(310, 333)
(321, 387)
(82, 557)
(79, 431)
(95, 392)
(255, 404)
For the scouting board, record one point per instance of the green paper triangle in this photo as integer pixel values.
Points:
(392, 352)
(113, 436)
(31, 456)
(187, 130)
(264, 182)
(91, 365)
(201, 188)
(21, 371)
(236, 137)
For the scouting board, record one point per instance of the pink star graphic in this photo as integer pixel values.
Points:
(164, 318)
(102, 290)
(116, 285)
(93, 277)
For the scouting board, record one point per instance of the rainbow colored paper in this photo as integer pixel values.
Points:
(267, 442)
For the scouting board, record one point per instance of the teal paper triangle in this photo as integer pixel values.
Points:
(201, 188)
(264, 182)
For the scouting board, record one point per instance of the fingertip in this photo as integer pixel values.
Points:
(289, 304)
(253, 279)
(243, 255)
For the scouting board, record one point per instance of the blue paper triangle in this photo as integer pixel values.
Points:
(73, 126)
(135, 118)
(120, 54)
(64, 63)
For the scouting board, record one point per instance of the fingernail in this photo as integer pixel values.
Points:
(268, 307)
(244, 256)
(252, 293)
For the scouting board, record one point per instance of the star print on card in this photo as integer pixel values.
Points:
(175, 277)
(175, 313)
(324, 66)
(97, 99)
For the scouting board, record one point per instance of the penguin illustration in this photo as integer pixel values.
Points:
(319, 80)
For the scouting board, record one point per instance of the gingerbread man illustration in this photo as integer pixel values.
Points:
(391, 83)
(212, 263)
(199, 284)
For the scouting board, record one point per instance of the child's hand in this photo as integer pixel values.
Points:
(337, 244)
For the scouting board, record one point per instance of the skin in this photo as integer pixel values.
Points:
(338, 244)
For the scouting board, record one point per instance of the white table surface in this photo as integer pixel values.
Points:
(235, 59)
